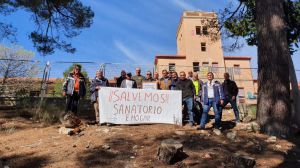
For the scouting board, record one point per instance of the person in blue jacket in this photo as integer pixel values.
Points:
(212, 96)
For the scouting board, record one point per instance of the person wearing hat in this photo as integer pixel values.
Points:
(128, 82)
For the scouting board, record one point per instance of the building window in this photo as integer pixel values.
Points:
(205, 64)
(204, 30)
(171, 67)
(237, 69)
(241, 93)
(198, 30)
(203, 46)
(196, 67)
(215, 67)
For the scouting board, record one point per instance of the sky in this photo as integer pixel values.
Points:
(131, 32)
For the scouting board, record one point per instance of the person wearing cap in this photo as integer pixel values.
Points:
(128, 82)
(97, 83)
(138, 78)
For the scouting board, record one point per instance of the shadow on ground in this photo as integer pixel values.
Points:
(116, 155)
(24, 161)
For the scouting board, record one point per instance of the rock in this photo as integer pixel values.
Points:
(76, 130)
(152, 138)
(106, 146)
(71, 121)
(255, 127)
(88, 145)
(241, 161)
(231, 135)
(207, 156)
(258, 148)
(217, 132)
(170, 151)
(251, 127)
(80, 134)
(247, 119)
(249, 144)
(271, 139)
(106, 131)
(278, 146)
(74, 146)
(65, 131)
(181, 133)
(135, 147)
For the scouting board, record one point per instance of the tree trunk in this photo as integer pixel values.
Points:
(273, 106)
(295, 95)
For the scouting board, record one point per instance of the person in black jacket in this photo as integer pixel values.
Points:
(74, 89)
(188, 94)
(121, 78)
(231, 90)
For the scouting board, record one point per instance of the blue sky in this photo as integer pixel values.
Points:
(128, 31)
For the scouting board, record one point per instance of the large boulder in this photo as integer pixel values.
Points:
(170, 151)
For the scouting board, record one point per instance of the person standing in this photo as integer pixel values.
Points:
(190, 75)
(212, 96)
(121, 78)
(188, 94)
(174, 80)
(149, 77)
(197, 101)
(128, 82)
(97, 83)
(138, 78)
(165, 82)
(74, 89)
(156, 79)
(230, 92)
(170, 74)
(198, 85)
(156, 76)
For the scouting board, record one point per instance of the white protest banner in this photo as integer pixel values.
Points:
(139, 106)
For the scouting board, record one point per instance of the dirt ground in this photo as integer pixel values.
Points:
(24, 143)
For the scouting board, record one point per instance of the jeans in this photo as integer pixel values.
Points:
(189, 103)
(72, 103)
(206, 108)
(234, 107)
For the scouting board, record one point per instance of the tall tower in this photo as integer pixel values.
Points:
(199, 40)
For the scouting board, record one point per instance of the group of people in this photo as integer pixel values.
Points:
(197, 96)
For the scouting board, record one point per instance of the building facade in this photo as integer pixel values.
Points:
(199, 49)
